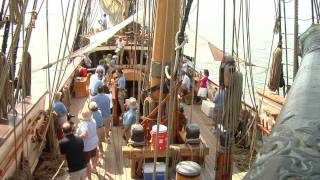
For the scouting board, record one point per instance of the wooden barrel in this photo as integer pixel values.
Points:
(188, 170)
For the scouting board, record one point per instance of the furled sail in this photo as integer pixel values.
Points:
(115, 9)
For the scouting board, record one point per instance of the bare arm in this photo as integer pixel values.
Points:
(83, 134)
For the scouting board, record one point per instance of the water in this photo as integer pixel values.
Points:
(262, 17)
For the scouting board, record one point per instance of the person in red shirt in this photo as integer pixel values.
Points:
(203, 89)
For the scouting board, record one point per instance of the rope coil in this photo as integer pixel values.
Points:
(275, 70)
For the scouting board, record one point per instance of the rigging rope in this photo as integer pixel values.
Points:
(286, 47)
(1, 13)
(275, 70)
(141, 59)
(14, 60)
(4, 99)
(74, 40)
(26, 75)
(48, 51)
(60, 46)
(232, 80)
(195, 61)
(5, 36)
(295, 40)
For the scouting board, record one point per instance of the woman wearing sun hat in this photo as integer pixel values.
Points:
(129, 117)
(88, 132)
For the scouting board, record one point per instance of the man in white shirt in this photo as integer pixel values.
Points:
(103, 22)
(87, 61)
(185, 65)
(120, 48)
(185, 83)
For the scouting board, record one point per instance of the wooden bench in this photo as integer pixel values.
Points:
(186, 152)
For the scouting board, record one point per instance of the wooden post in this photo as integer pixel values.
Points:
(223, 165)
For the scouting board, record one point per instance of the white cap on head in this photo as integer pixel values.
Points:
(93, 105)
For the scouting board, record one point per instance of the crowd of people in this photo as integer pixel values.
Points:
(82, 144)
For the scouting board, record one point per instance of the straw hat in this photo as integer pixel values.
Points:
(93, 106)
(132, 103)
(85, 115)
(114, 56)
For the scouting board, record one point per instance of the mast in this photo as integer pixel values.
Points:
(166, 27)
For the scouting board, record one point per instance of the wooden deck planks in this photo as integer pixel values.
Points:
(115, 167)
(205, 124)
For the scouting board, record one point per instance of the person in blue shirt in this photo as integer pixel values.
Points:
(129, 117)
(59, 108)
(218, 101)
(97, 116)
(114, 60)
(96, 80)
(103, 103)
(121, 90)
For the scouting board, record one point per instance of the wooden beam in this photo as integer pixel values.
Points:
(147, 152)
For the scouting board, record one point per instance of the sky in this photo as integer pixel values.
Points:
(262, 18)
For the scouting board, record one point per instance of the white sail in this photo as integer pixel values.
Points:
(115, 9)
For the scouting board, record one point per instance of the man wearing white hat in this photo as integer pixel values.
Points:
(129, 117)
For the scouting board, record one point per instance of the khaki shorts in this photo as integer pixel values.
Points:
(101, 134)
(78, 175)
(106, 120)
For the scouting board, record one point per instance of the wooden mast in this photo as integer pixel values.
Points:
(166, 27)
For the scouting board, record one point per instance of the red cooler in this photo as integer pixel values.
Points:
(162, 136)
